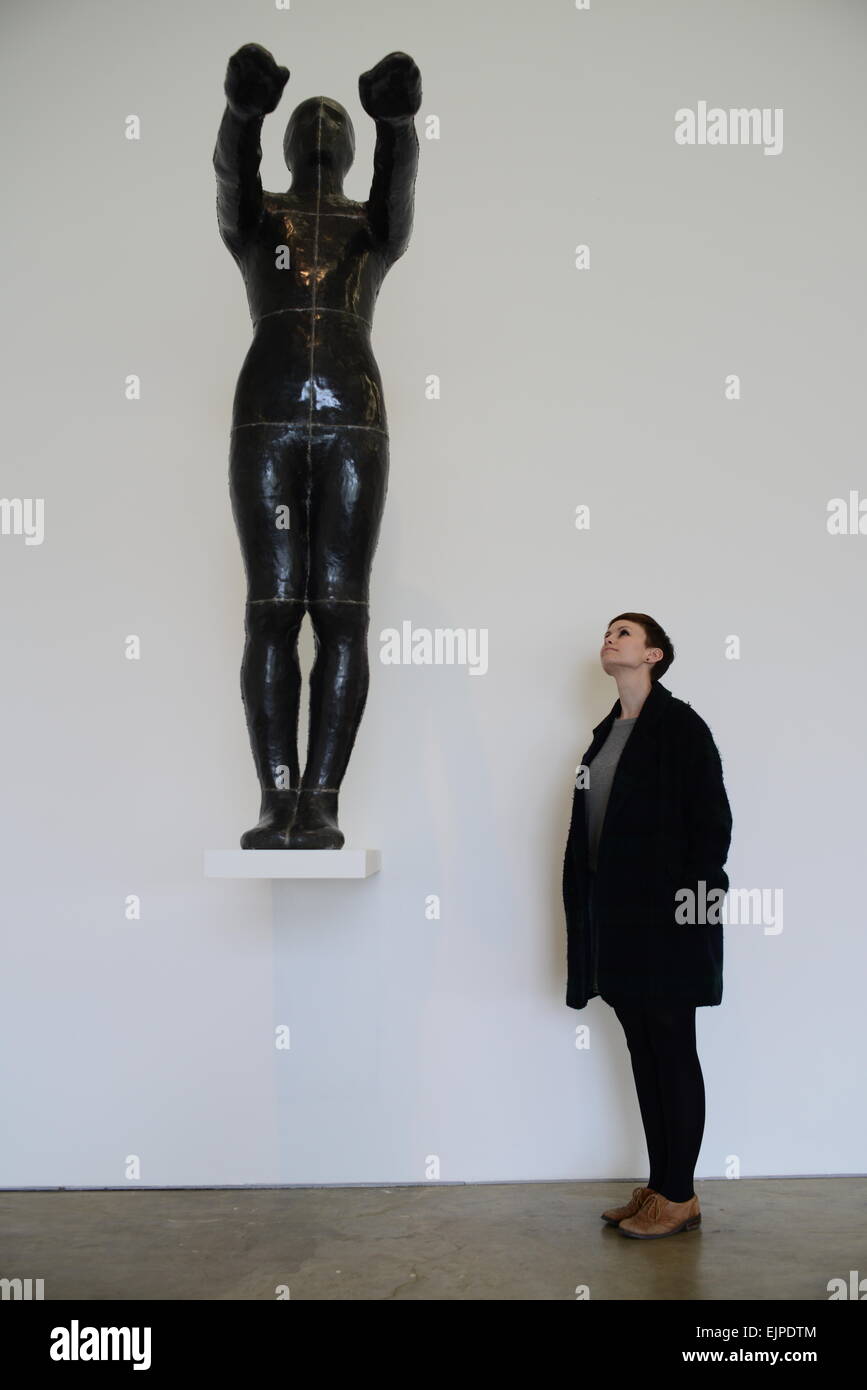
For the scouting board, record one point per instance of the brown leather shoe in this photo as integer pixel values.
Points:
(615, 1214)
(659, 1217)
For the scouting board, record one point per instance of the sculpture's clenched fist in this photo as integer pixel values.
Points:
(254, 81)
(391, 91)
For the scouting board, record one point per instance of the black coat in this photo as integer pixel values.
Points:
(667, 826)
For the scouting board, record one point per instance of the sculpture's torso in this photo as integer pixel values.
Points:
(311, 361)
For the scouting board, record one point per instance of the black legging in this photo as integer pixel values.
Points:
(670, 1086)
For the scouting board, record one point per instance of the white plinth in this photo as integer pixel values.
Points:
(292, 863)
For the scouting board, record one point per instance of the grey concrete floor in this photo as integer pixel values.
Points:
(770, 1238)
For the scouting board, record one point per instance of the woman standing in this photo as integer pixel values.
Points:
(650, 834)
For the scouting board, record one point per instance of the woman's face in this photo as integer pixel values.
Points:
(623, 647)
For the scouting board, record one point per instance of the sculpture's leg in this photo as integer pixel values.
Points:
(271, 692)
(349, 483)
(338, 692)
(267, 472)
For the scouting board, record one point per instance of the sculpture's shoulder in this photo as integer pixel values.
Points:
(274, 204)
(341, 206)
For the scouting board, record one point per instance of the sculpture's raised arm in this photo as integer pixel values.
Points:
(254, 85)
(391, 93)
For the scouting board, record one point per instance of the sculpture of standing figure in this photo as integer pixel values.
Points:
(308, 465)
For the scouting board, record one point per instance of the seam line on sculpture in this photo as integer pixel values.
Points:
(302, 212)
(321, 309)
(313, 346)
(362, 601)
(314, 425)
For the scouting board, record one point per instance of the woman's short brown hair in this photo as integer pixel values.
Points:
(654, 636)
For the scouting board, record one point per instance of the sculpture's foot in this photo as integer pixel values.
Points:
(275, 821)
(315, 825)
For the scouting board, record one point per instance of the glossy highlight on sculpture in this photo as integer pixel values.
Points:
(309, 455)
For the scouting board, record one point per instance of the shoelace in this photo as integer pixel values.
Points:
(636, 1191)
(651, 1206)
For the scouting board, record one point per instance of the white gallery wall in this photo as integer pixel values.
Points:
(697, 386)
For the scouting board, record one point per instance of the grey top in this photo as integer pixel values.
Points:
(600, 777)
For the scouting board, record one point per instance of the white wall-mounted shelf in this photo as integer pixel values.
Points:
(292, 863)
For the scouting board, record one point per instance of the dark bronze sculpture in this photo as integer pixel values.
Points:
(308, 463)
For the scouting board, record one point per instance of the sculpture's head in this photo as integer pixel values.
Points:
(319, 135)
